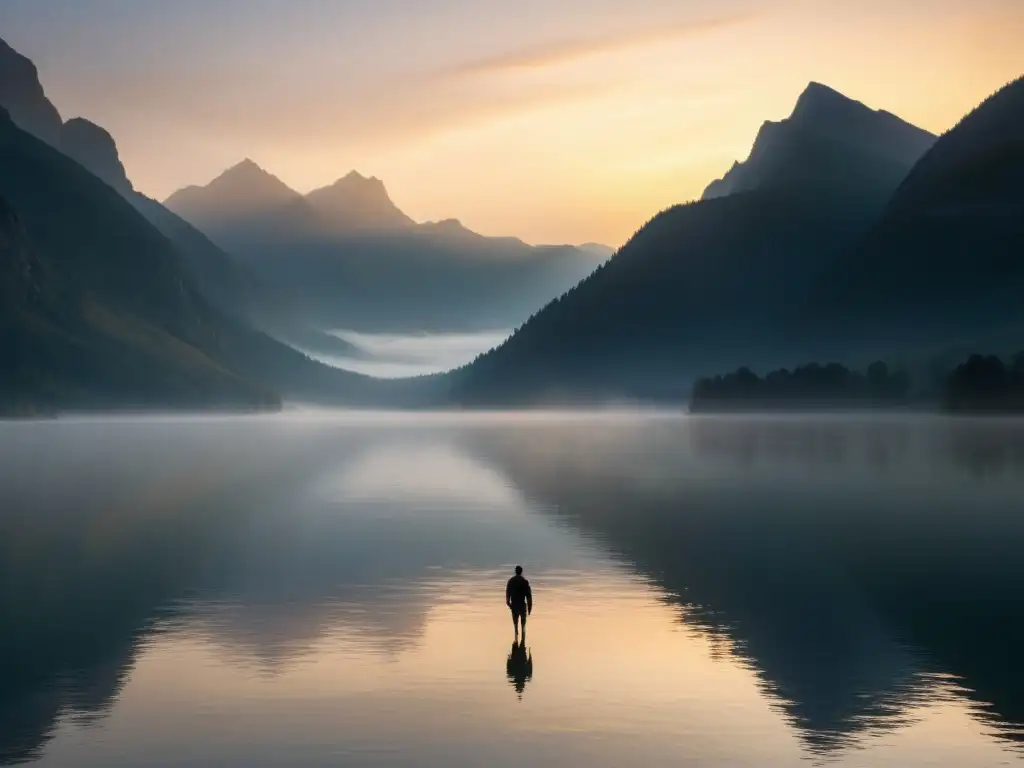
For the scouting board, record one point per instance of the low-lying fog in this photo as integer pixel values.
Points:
(389, 355)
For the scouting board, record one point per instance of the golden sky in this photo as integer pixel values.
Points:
(552, 120)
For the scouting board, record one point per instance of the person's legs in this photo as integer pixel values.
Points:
(515, 621)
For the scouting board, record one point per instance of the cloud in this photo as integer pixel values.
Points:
(566, 50)
(316, 114)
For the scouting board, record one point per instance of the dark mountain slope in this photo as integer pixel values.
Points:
(221, 281)
(92, 147)
(95, 150)
(115, 320)
(94, 237)
(122, 323)
(224, 283)
(707, 286)
(23, 96)
(947, 257)
(692, 289)
(828, 136)
(994, 129)
(227, 285)
(61, 347)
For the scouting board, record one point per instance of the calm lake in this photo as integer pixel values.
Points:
(328, 589)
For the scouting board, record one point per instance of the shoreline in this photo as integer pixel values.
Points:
(524, 414)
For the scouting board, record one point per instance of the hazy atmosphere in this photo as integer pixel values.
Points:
(393, 355)
(342, 341)
(552, 120)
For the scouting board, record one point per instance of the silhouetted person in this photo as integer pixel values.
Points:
(519, 667)
(519, 599)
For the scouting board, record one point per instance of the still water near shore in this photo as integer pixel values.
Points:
(327, 589)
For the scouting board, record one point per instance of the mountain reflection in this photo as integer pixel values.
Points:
(861, 568)
(261, 550)
(856, 595)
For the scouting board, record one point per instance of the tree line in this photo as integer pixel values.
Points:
(986, 384)
(980, 384)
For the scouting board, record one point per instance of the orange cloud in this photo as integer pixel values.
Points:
(562, 51)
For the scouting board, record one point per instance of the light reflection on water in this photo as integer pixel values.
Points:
(323, 591)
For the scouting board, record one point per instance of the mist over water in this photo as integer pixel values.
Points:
(387, 355)
(323, 589)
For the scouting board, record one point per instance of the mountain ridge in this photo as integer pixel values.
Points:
(356, 202)
(245, 189)
(92, 147)
(709, 285)
(106, 316)
(354, 260)
(141, 309)
(21, 92)
(944, 258)
(823, 120)
(95, 149)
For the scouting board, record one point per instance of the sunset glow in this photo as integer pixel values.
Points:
(564, 121)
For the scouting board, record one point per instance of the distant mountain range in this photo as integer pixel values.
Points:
(719, 283)
(847, 234)
(355, 261)
(230, 205)
(110, 300)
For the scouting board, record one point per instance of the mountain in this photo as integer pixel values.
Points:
(228, 286)
(356, 202)
(417, 280)
(710, 285)
(220, 280)
(24, 278)
(97, 312)
(946, 259)
(100, 311)
(92, 235)
(236, 290)
(112, 301)
(92, 147)
(827, 136)
(22, 94)
(692, 290)
(95, 150)
(245, 197)
(353, 260)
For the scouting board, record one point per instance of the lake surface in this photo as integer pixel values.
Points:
(324, 590)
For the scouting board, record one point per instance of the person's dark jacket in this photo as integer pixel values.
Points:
(518, 594)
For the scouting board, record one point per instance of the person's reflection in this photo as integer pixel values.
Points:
(519, 666)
